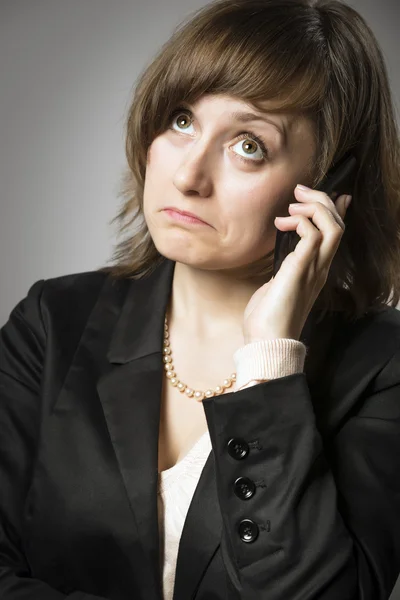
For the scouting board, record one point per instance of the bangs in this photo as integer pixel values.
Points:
(281, 58)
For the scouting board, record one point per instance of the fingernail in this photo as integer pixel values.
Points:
(303, 187)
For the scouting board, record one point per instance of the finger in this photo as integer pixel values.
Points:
(311, 195)
(303, 192)
(332, 230)
(340, 205)
(304, 209)
(320, 236)
(305, 254)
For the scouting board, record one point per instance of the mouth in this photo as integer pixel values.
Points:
(184, 216)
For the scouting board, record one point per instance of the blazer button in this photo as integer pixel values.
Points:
(244, 488)
(238, 448)
(248, 530)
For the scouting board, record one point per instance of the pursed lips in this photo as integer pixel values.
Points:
(186, 213)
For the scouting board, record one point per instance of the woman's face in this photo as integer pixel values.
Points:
(203, 165)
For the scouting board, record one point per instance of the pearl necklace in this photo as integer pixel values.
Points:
(182, 387)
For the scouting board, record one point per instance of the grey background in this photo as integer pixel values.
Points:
(67, 72)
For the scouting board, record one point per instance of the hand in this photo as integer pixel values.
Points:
(279, 308)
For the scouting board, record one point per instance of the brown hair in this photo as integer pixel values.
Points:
(317, 58)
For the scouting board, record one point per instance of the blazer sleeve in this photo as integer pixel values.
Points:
(303, 520)
(22, 351)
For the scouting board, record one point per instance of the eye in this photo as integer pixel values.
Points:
(246, 146)
(185, 117)
(185, 120)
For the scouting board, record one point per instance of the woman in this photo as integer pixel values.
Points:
(169, 426)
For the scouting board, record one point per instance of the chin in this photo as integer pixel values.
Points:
(176, 244)
(181, 254)
(195, 258)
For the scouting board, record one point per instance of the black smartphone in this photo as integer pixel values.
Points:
(340, 179)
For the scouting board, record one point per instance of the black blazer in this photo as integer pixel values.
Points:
(80, 386)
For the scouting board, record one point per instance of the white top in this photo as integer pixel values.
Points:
(176, 487)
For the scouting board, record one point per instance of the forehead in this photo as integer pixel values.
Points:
(293, 121)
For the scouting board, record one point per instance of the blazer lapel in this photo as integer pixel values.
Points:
(130, 393)
(201, 536)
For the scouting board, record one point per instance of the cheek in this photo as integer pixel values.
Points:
(157, 174)
(157, 157)
(250, 210)
(253, 206)
(250, 223)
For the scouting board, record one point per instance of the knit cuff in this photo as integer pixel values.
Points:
(268, 359)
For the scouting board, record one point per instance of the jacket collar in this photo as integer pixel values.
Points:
(139, 329)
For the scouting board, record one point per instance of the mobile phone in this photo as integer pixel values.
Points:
(340, 178)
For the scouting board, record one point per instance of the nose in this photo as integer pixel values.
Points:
(194, 173)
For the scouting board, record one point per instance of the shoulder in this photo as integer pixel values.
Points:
(378, 331)
(75, 291)
(51, 317)
(381, 326)
(367, 352)
(74, 286)
(384, 341)
(66, 300)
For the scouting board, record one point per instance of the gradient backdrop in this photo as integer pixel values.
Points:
(67, 72)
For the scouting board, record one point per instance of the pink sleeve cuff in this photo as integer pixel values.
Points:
(268, 359)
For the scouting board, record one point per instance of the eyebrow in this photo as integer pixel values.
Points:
(245, 117)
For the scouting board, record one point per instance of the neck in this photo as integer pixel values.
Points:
(210, 303)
